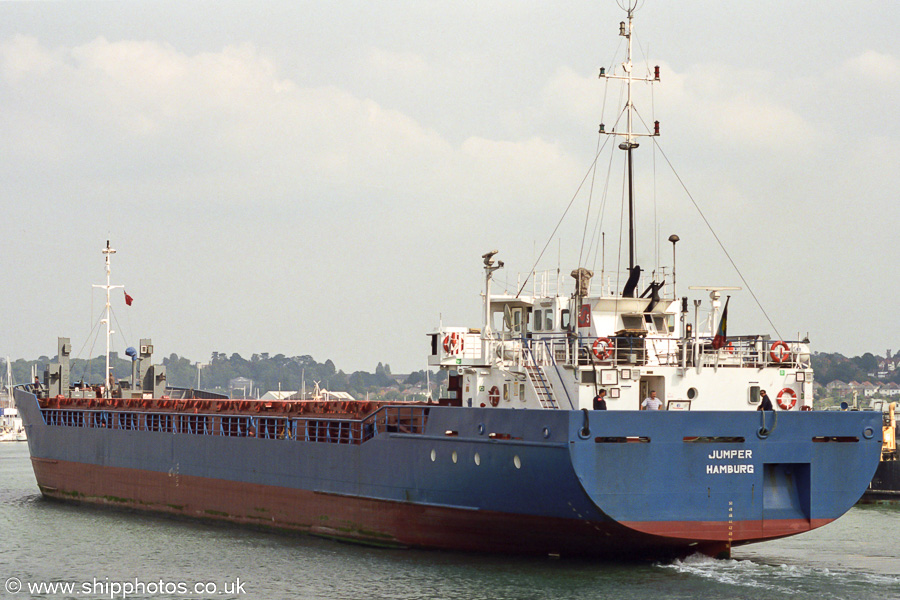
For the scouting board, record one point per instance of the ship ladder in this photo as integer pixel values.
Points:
(539, 381)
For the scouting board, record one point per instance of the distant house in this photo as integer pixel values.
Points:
(866, 389)
(838, 388)
(240, 387)
(337, 396)
(277, 395)
(891, 389)
(323, 396)
(888, 365)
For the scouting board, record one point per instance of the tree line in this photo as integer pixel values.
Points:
(268, 373)
(830, 367)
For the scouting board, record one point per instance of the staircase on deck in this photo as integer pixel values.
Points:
(539, 380)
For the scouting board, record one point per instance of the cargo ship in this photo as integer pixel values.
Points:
(885, 485)
(540, 445)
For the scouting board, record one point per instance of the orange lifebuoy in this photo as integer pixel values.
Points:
(453, 343)
(780, 352)
(790, 393)
(730, 348)
(602, 348)
(494, 396)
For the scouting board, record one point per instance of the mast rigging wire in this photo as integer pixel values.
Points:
(718, 241)
(562, 218)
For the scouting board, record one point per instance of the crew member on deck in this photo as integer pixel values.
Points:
(651, 402)
(114, 390)
(765, 403)
(600, 400)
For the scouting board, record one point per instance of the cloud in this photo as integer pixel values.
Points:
(116, 110)
(573, 95)
(874, 67)
(399, 64)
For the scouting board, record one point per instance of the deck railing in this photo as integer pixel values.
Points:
(313, 428)
(739, 351)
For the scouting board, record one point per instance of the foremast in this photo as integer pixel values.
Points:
(107, 253)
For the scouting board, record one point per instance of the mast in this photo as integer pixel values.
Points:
(107, 252)
(626, 29)
(489, 268)
(9, 384)
(629, 144)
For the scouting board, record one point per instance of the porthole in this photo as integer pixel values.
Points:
(692, 393)
(454, 457)
(546, 432)
(517, 461)
(477, 459)
(433, 456)
(480, 429)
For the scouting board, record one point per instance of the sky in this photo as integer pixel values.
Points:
(322, 178)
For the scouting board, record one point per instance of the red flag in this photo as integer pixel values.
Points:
(128, 299)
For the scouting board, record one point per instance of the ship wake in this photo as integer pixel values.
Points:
(759, 580)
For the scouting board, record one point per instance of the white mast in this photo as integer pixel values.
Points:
(107, 252)
(9, 384)
(626, 30)
(489, 268)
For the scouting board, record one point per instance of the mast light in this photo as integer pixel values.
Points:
(602, 128)
(655, 127)
(656, 72)
(602, 72)
(622, 28)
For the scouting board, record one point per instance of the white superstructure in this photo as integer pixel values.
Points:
(558, 350)
(558, 346)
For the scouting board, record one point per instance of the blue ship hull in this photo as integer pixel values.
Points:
(607, 484)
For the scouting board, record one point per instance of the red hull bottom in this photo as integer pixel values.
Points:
(390, 523)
